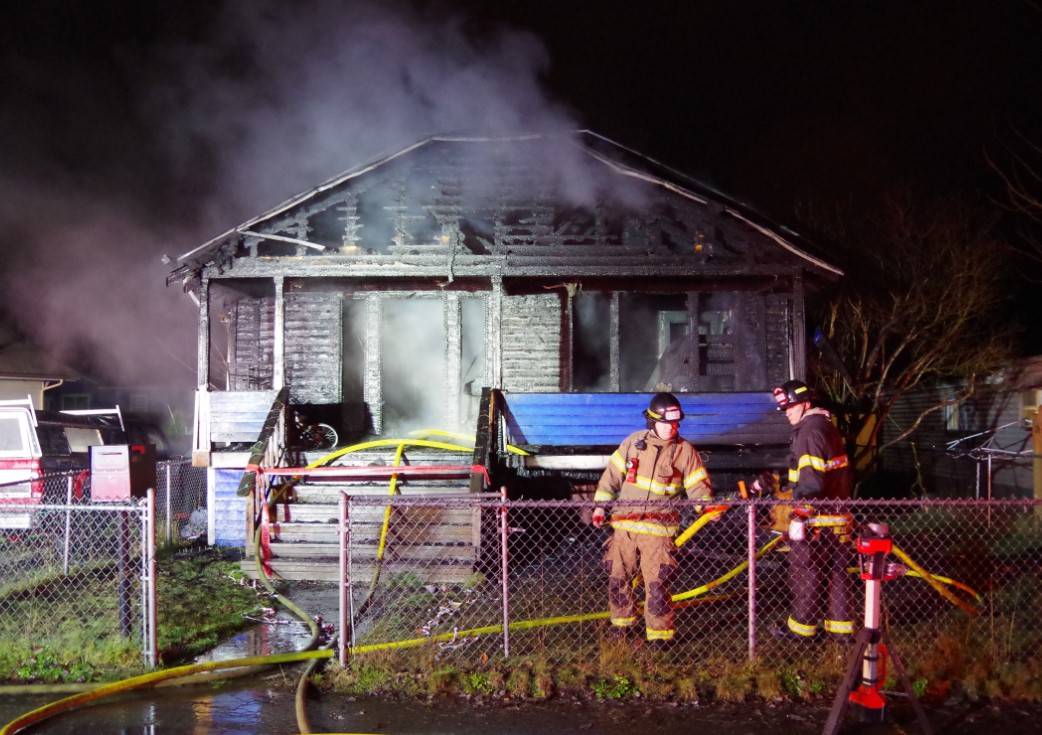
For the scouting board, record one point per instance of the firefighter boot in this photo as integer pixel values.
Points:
(785, 632)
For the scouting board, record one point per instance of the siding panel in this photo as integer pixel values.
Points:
(314, 339)
(531, 342)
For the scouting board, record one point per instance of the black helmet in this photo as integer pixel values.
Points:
(663, 407)
(792, 392)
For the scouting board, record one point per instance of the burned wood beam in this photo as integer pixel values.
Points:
(466, 264)
(799, 343)
(568, 339)
(278, 352)
(203, 355)
(613, 342)
(372, 387)
(693, 356)
(283, 238)
(493, 335)
(453, 357)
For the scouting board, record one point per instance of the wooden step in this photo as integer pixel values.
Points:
(422, 555)
(330, 492)
(385, 456)
(329, 571)
(413, 516)
(443, 533)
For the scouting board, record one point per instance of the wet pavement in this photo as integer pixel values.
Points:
(264, 704)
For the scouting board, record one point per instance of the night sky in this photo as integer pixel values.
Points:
(131, 131)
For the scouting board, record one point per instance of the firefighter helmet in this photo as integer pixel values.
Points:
(663, 407)
(791, 392)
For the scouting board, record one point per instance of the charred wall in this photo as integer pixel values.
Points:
(531, 342)
(314, 342)
(251, 344)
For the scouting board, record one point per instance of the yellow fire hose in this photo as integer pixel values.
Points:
(144, 680)
(729, 575)
(711, 514)
(376, 443)
(423, 433)
(392, 488)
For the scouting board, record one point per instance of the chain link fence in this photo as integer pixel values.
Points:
(180, 503)
(478, 577)
(74, 573)
(71, 574)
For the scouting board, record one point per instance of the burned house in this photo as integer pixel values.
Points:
(387, 298)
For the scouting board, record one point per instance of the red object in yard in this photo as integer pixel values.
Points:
(264, 552)
(79, 482)
(869, 695)
(120, 472)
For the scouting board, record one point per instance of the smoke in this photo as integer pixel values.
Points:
(282, 96)
(85, 284)
(166, 136)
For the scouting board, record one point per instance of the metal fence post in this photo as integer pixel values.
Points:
(504, 533)
(148, 543)
(750, 509)
(68, 513)
(169, 515)
(345, 580)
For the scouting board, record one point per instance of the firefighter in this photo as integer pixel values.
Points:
(651, 467)
(819, 542)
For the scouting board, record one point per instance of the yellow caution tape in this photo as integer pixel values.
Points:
(933, 582)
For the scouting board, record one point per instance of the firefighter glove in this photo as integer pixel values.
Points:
(598, 517)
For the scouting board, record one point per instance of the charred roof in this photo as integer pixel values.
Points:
(483, 205)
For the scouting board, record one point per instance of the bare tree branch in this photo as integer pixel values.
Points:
(922, 310)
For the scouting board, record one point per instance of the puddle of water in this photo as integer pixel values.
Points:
(237, 708)
(283, 633)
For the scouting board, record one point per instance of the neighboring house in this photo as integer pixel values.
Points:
(25, 370)
(386, 298)
(160, 415)
(979, 447)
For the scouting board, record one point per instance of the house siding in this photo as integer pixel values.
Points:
(251, 359)
(778, 335)
(314, 339)
(954, 473)
(531, 343)
(229, 527)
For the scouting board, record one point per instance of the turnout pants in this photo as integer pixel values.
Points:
(820, 584)
(626, 553)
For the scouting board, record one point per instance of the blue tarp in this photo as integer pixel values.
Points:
(593, 419)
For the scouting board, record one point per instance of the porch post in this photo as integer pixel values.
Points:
(493, 334)
(203, 355)
(278, 352)
(453, 357)
(799, 340)
(613, 342)
(372, 387)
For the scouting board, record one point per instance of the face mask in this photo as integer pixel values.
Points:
(665, 430)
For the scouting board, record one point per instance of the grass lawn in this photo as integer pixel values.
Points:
(66, 628)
